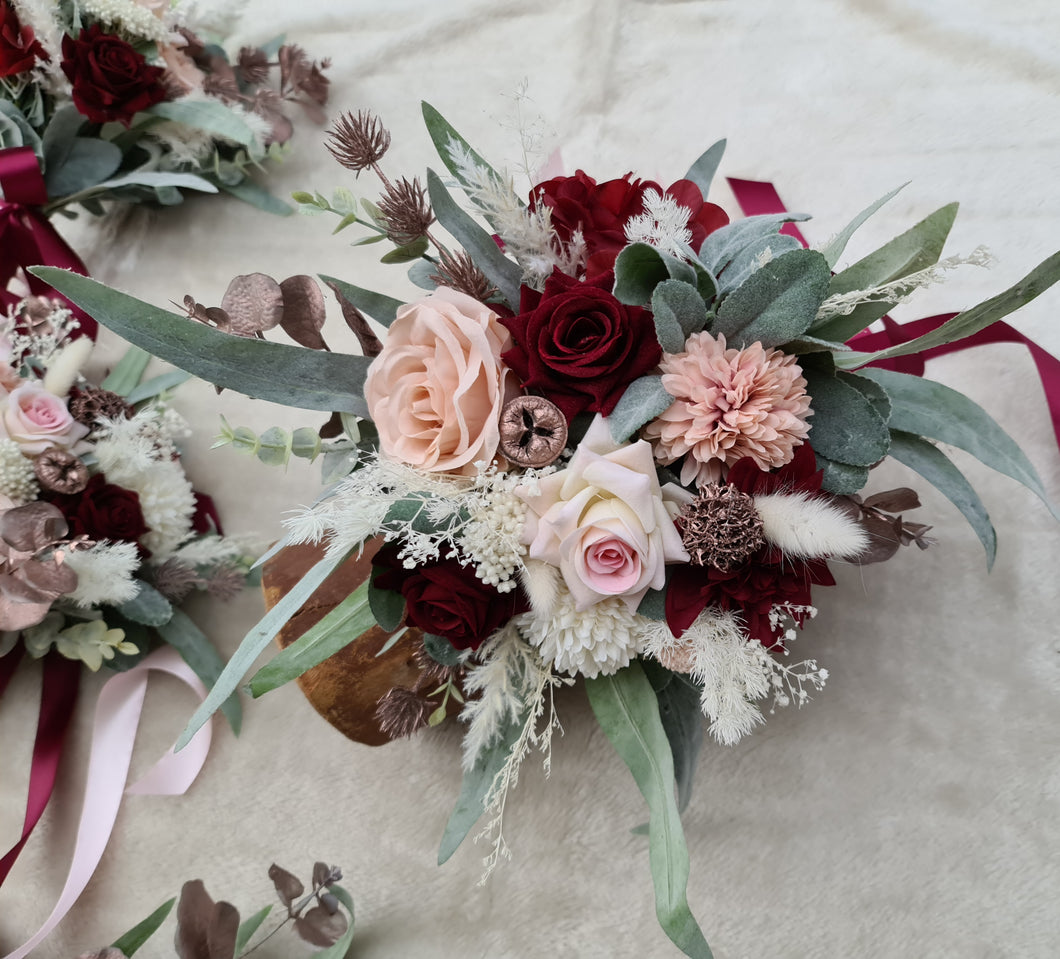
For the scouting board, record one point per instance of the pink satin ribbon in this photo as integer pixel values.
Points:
(757, 197)
(114, 731)
(26, 237)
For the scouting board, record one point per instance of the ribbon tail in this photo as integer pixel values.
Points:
(58, 698)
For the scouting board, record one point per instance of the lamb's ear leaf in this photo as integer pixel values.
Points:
(289, 375)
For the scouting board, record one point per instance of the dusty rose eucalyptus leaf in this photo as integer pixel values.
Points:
(223, 931)
(894, 500)
(210, 315)
(884, 539)
(288, 886)
(108, 953)
(370, 344)
(304, 311)
(33, 526)
(194, 914)
(15, 616)
(319, 927)
(45, 580)
(254, 303)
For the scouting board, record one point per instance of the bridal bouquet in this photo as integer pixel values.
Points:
(615, 440)
(102, 537)
(135, 101)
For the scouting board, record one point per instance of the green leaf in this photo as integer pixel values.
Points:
(58, 138)
(408, 252)
(441, 650)
(1043, 276)
(845, 426)
(340, 627)
(701, 173)
(189, 181)
(380, 308)
(420, 273)
(131, 941)
(127, 372)
(442, 134)
(388, 607)
(653, 605)
(641, 267)
(777, 303)
(208, 114)
(841, 478)
(835, 249)
(682, 718)
(148, 606)
(627, 709)
(26, 135)
(732, 253)
(679, 312)
(275, 446)
(156, 386)
(257, 639)
(471, 802)
(931, 463)
(256, 195)
(339, 950)
(290, 375)
(248, 927)
(927, 408)
(871, 390)
(916, 249)
(202, 656)
(499, 270)
(644, 399)
(86, 164)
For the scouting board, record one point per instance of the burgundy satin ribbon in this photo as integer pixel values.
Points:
(756, 197)
(26, 237)
(57, 700)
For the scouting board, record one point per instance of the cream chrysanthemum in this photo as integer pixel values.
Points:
(729, 404)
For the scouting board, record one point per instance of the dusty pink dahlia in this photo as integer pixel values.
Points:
(729, 404)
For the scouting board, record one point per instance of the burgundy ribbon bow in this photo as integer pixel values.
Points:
(27, 238)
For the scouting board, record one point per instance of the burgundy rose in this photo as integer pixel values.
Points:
(102, 510)
(600, 212)
(447, 599)
(767, 578)
(19, 48)
(110, 80)
(578, 346)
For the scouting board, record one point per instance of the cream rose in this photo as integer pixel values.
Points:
(37, 419)
(436, 390)
(605, 521)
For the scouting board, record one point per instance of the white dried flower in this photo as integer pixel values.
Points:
(18, 482)
(104, 574)
(130, 18)
(806, 526)
(663, 224)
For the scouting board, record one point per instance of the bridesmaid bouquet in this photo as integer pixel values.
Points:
(613, 439)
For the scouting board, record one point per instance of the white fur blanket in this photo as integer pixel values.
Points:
(912, 808)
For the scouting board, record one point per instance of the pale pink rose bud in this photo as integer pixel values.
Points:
(37, 419)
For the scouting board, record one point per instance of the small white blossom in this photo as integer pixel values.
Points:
(663, 224)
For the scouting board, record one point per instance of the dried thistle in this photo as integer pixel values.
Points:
(358, 142)
(433, 673)
(253, 65)
(407, 211)
(175, 579)
(460, 273)
(401, 712)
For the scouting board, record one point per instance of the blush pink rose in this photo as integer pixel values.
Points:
(605, 522)
(37, 419)
(436, 390)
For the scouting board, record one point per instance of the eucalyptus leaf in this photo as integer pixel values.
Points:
(202, 656)
(701, 173)
(420, 273)
(627, 709)
(382, 309)
(407, 253)
(148, 607)
(257, 639)
(845, 426)
(86, 165)
(208, 114)
(26, 135)
(841, 478)
(777, 303)
(58, 138)
(679, 312)
(441, 650)
(644, 399)
(156, 386)
(248, 927)
(931, 463)
(653, 605)
(256, 195)
(341, 626)
(127, 372)
(476, 784)
(927, 408)
(388, 606)
(838, 244)
(499, 270)
(131, 941)
(342, 947)
(916, 249)
(189, 181)
(732, 251)
(640, 267)
(443, 135)
(682, 718)
(972, 320)
(290, 375)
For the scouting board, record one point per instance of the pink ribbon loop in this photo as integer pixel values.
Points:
(114, 731)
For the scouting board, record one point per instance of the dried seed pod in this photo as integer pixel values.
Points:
(90, 403)
(60, 471)
(721, 527)
(533, 431)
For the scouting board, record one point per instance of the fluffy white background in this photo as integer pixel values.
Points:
(912, 808)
